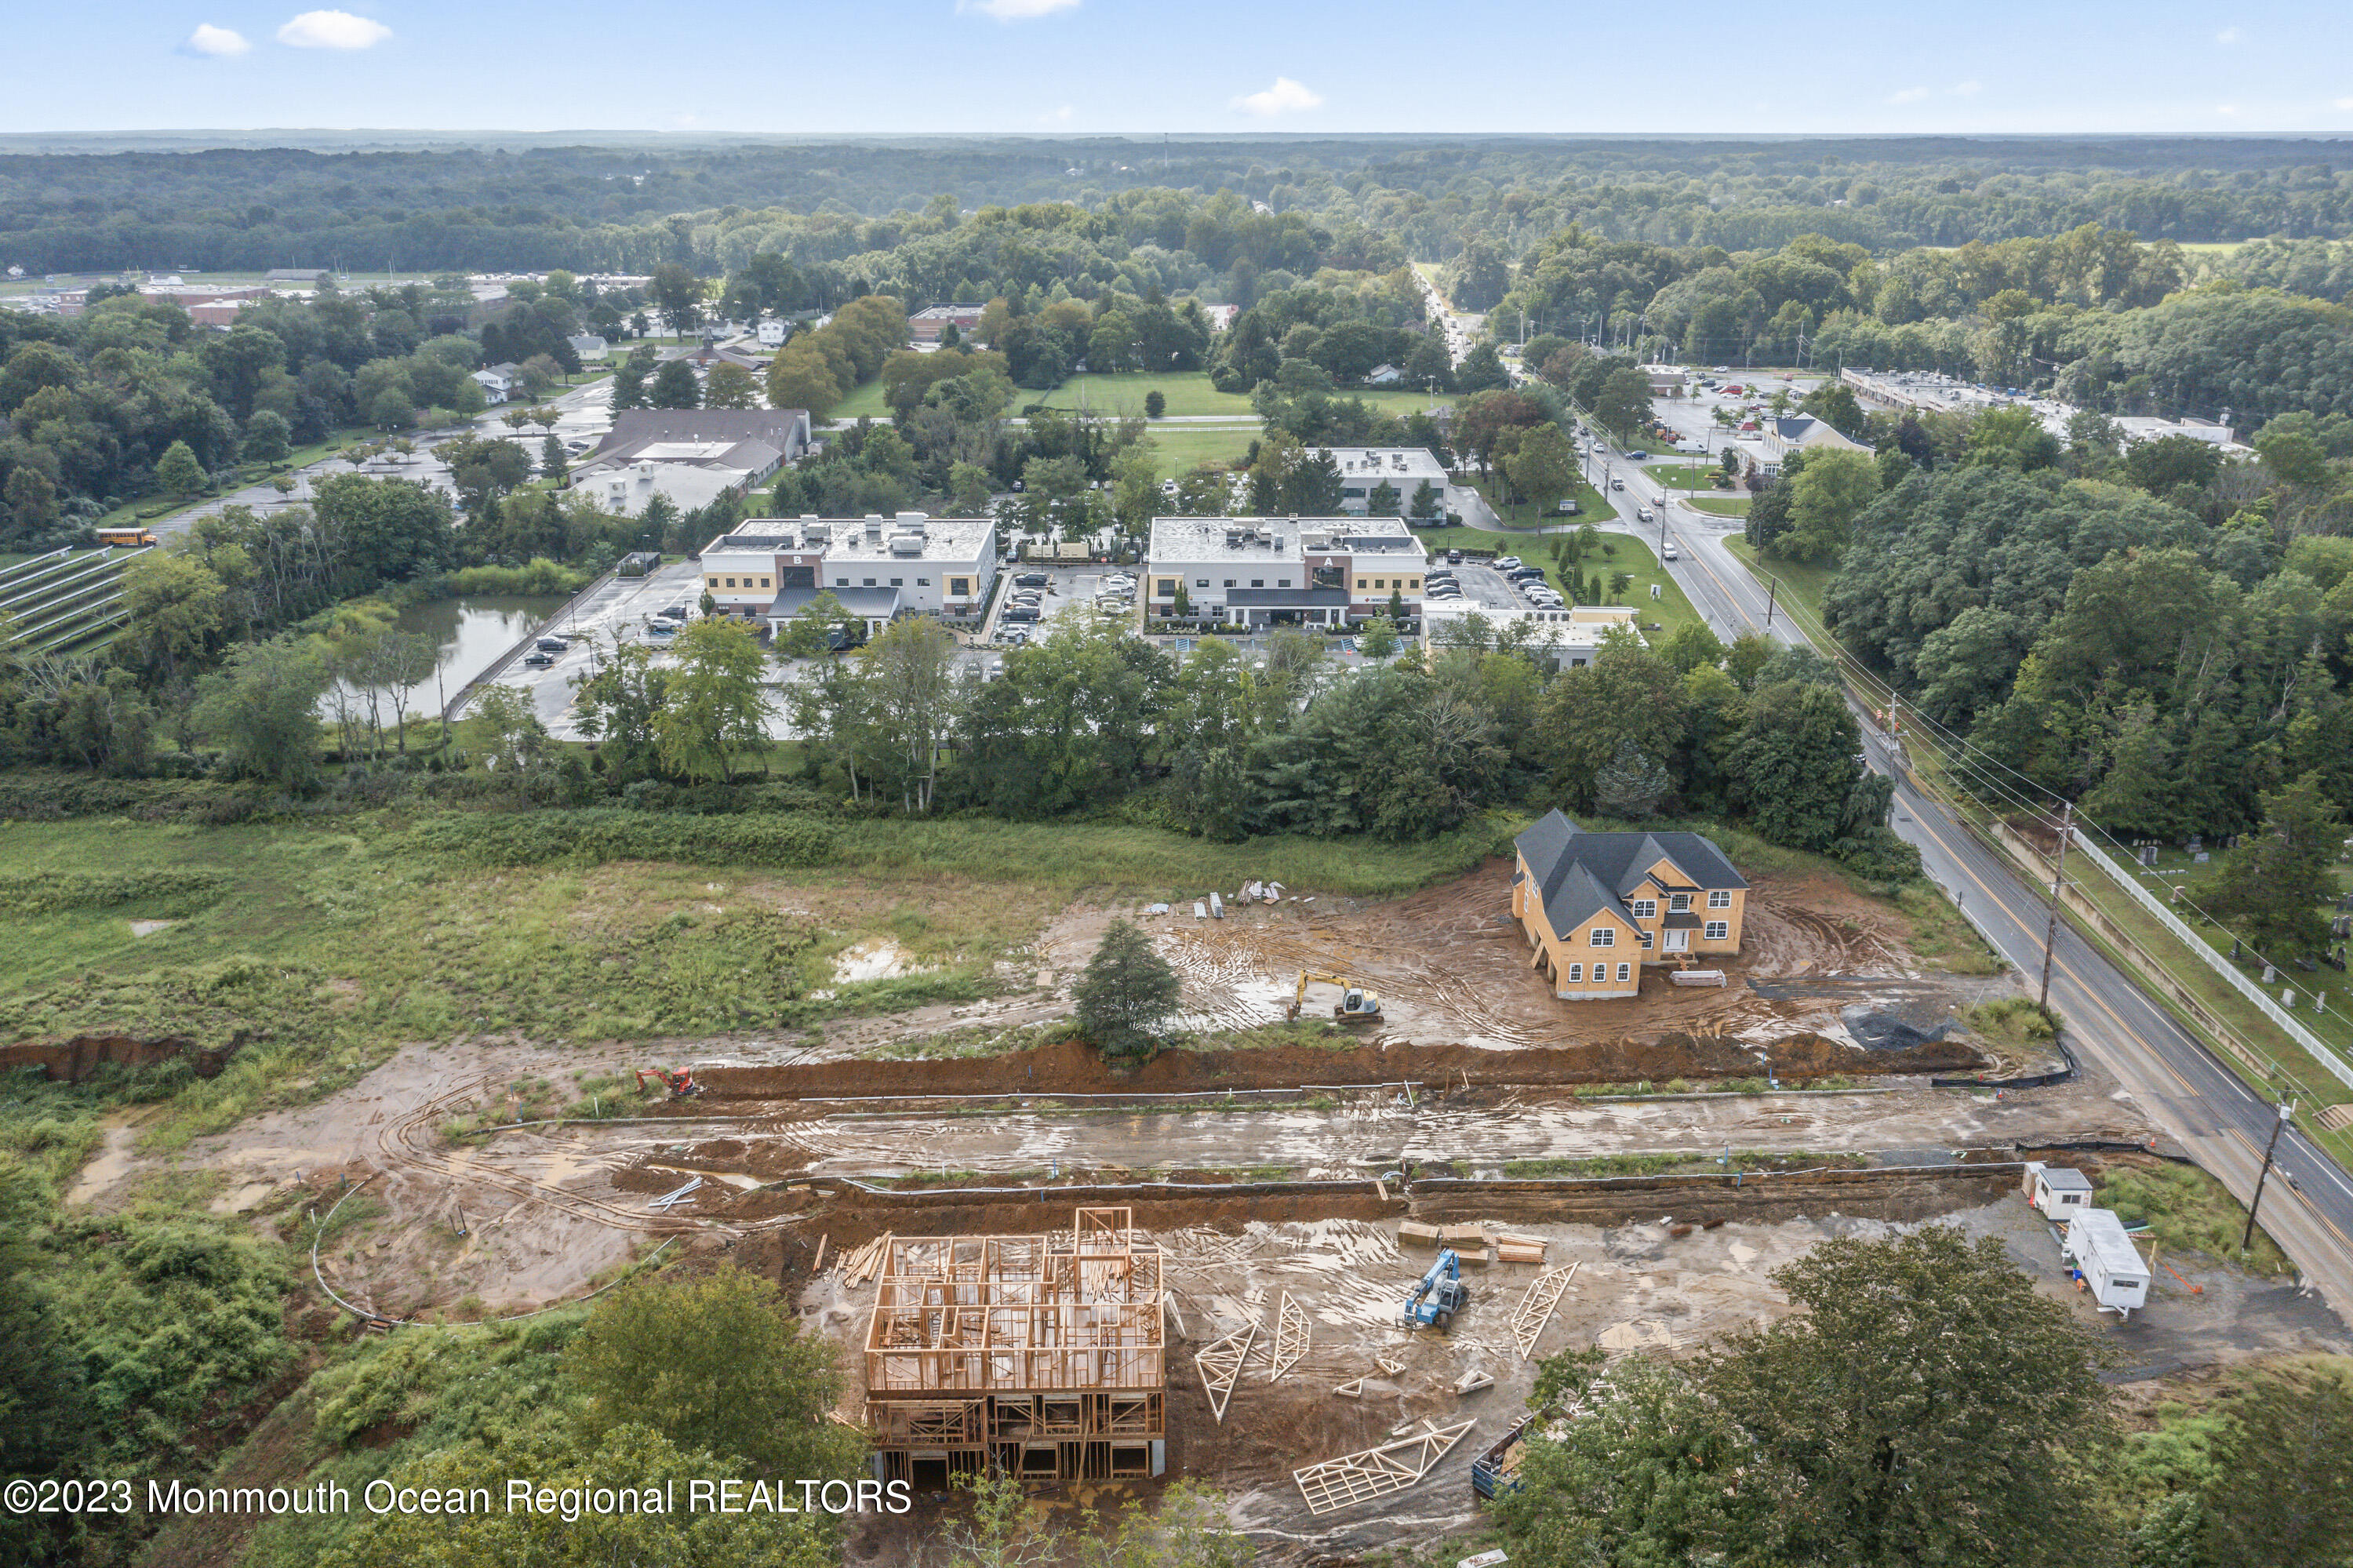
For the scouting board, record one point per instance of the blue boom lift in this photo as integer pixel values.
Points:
(1437, 1295)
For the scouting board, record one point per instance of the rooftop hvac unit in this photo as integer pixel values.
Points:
(906, 543)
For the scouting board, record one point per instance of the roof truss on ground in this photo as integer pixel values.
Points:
(1376, 1472)
(1291, 1337)
(1220, 1364)
(1536, 1307)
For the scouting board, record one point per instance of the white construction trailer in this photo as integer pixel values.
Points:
(2100, 1255)
(2057, 1190)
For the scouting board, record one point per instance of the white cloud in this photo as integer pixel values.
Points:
(1968, 89)
(332, 30)
(2345, 103)
(2228, 35)
(208, 39)
(1017, 10)
(1908, 95)
(1284, 97)
(2226, 110)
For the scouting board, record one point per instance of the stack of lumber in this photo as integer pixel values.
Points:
(1510, 1248)
(859, 1267)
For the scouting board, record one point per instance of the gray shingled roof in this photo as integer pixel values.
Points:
(1577, 872)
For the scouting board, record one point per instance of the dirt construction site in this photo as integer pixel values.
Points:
(1282, 1193)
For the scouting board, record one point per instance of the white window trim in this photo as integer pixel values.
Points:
(1646, 909)
(1601, 937)
(1625, 973)
(1720, 898)
(1718, 931)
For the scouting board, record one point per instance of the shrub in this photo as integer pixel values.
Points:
(590, 837)
(181, 891)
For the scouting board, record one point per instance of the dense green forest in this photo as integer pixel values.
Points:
(628, 208)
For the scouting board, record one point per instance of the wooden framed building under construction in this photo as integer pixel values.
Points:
(1038, 1356)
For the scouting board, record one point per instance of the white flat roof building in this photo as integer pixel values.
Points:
(1273, 571)
(1364, 470)
(879, 567)
(1566, 638)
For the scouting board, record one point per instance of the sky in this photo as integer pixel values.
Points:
(1144, 66)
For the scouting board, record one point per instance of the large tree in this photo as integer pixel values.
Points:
(1125, 993)
(714, 706)
(1926, 1405)
(262, 708)
(2274, 885)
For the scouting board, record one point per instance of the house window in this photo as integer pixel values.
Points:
(764, 582)
(1643, 937)
(1646, 909)
(715, 582)
(1576, 974)
(1717, 930)
(960, 587)
(922, 582)
(1203, 582)
(869, 582)
(898, 582)
(1679, 902)
(1229, 582)
(1601, 937)
(1625, 973)
(1413, 582)
(1719, 899)
(1258, 582)
(1282, 582)
(841, 582)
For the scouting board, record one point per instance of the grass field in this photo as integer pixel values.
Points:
(1683, 475)
(865, 402)
(1187, 392)
(1720, 505)
(331, 943)
(1184, 447)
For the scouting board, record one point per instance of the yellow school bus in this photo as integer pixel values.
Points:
(126, 538)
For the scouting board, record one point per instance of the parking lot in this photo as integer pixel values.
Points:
(1068, 591)
(618, 608)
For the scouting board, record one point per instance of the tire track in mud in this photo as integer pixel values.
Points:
(411, 1144)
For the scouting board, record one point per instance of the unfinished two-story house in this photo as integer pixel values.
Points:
(1598, 906)
(1038, 1356)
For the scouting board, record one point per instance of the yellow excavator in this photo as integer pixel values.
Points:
(1357, 1005)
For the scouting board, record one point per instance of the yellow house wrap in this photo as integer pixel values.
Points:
(1596, 908)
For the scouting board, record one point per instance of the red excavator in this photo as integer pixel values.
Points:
(680, 1084)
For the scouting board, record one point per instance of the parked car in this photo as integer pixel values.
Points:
(675, 612)
(1020, 613)
(539, 658)
(1453, 557)
(551, 645)
(1507, 562)
(662, 628)
(1030, 579)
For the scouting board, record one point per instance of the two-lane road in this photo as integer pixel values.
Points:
(2181, 1085)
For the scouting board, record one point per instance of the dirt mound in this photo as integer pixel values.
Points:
(1073, 1067)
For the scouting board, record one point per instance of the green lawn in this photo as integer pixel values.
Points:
(1720, 505)
(1525, 513)
(1187, 392)
(866, 402)
(1684, 475)
(1184, 447)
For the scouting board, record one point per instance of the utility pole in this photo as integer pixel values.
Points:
(1772, 594)
(2285, 1111)
(2058, 877)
